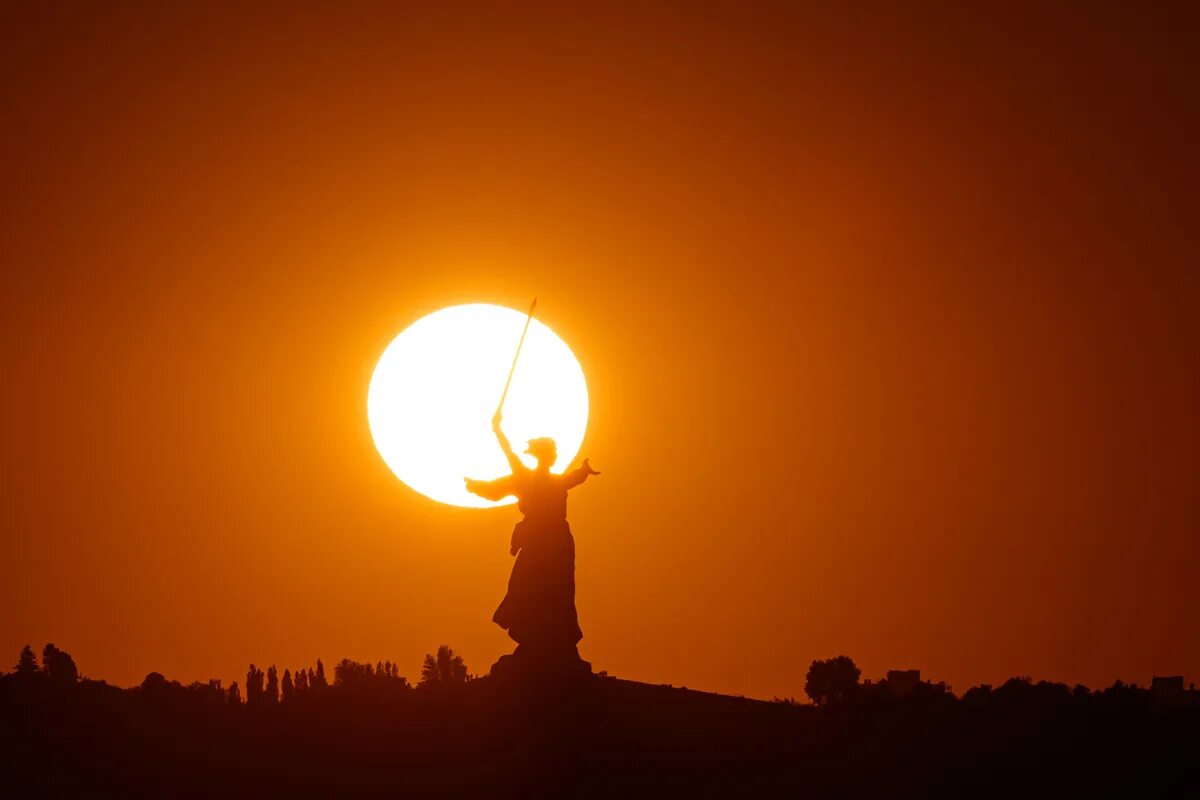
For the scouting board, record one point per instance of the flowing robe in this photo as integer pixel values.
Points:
(539, 609)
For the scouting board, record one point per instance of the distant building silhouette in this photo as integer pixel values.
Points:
(1167, 691)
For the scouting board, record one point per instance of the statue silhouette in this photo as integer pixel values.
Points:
(539, 609)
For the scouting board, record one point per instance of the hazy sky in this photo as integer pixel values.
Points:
(890, 323)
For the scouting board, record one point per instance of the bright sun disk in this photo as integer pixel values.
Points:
(436, 386)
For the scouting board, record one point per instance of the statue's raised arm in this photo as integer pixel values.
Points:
(514, 462)
(502, 487)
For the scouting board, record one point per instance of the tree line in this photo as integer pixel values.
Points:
(308, 731)
(829, 683)
(835, 683)
(442, 669)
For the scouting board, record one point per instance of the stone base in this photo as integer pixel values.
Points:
(526, 666)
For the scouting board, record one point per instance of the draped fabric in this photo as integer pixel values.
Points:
(539, 609)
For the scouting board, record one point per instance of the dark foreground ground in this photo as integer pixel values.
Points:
(601, 738)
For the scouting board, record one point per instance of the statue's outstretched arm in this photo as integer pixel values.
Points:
(579, 474)
(491, 490)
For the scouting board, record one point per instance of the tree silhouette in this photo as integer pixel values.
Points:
(272, 693)
(831, 681)
(288, 687)
(210, 693)
(318, 681)
(347, 672)
(233, 696)
(27, 663)
(350, 674)
(254, 686)
(155, 683)
(444, 669)
(58, 665)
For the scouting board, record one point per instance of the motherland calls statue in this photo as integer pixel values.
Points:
(539, 609)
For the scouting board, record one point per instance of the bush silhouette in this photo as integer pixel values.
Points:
(832, 681)
(58, 665)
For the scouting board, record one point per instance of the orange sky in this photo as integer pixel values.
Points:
(890, 324)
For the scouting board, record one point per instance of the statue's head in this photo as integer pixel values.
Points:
(544, 450)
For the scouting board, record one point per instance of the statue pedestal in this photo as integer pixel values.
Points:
(547, 667)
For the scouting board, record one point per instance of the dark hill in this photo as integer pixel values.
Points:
(598, 738)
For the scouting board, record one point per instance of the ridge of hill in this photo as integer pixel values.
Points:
(595, 737)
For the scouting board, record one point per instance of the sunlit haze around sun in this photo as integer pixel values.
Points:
(437, 384)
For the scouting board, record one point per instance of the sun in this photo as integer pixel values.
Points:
(436, 386)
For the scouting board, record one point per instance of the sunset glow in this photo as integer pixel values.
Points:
(884, 330)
